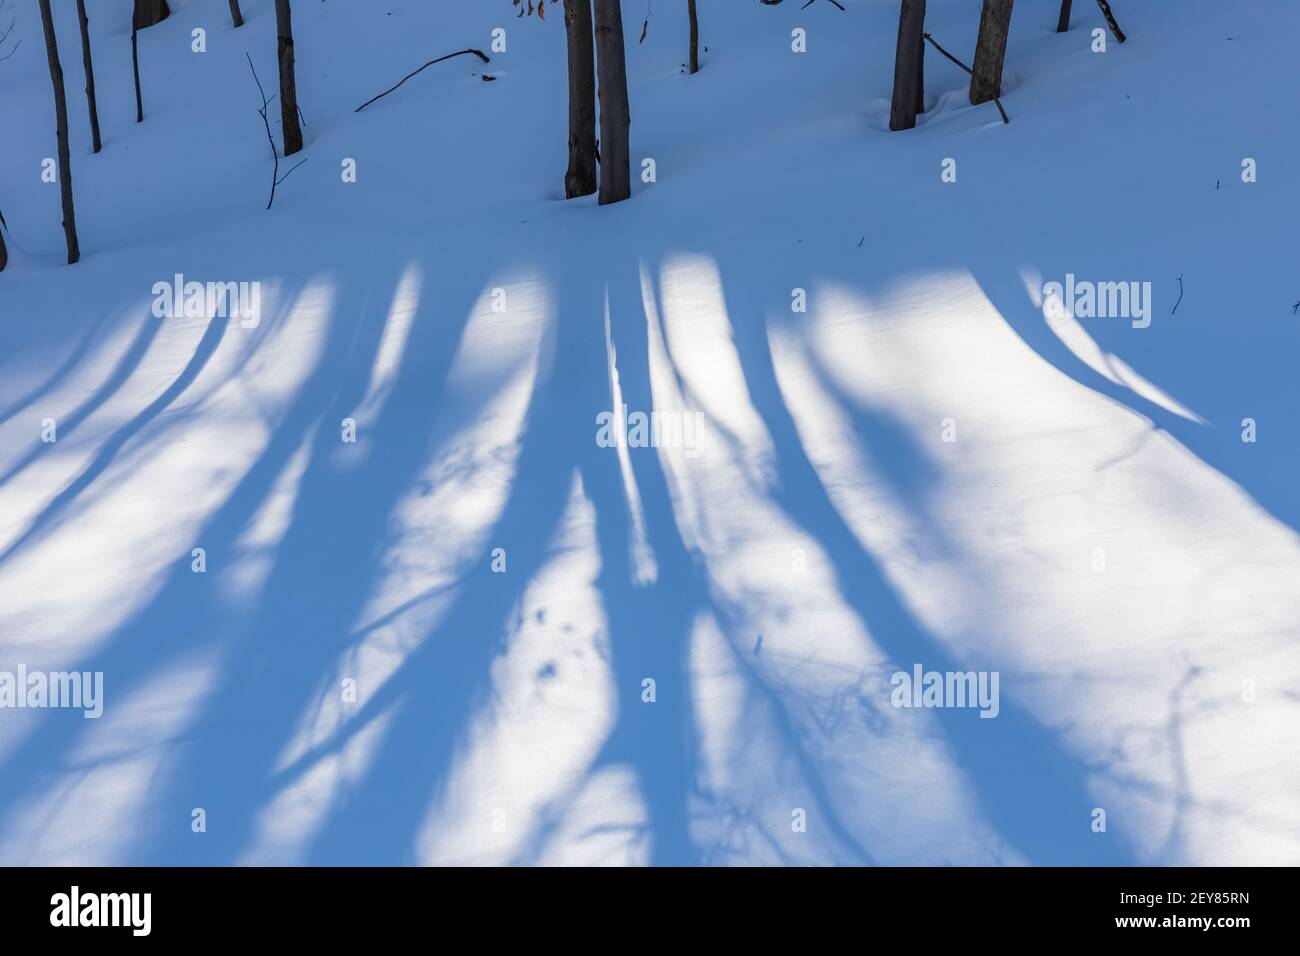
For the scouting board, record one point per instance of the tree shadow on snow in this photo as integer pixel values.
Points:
(281, 656)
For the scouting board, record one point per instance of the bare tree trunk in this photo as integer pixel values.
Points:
(907, 68)
(149, 12)
(135, 65)
(90, 75)
(235, 15)
(695, 36)
(615, 118)
(288, 85)
(61, 120)
(920, 77)
(990, 51)
(580, 180)
(1063, 24)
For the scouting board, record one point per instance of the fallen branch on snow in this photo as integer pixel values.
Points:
(478, 53)
(1110, 21)
(934, 43)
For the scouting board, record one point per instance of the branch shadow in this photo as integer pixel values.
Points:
(1263, 470)
(1027, 784)
(144, 645)
(104, 457)
(66, 367)
(325, 568)
(122, 370)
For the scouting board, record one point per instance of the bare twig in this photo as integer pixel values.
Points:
(478, 53)
(288, 174)
(1180, 294)
(276, 178)
(13, 22)
(5, 36)
(135, 68)
(996, 101)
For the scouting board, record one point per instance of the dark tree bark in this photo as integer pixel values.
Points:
(1063, 24)
(580, 180)
(149, 12)
(288, 85)
(695, 36)
(615, 118)
(235, 15)
(990, 51)
(4, 253)
(135, 66)
(907, 65)
(61, 122)
(1110, 21)
(920, 77)
(90, 74)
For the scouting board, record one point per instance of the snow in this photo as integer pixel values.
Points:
(821, 534)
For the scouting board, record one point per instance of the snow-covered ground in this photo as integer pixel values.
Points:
(929, 466)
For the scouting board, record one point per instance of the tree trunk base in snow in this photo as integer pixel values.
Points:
(908, 65)
(149, 12)
(289, 127)
(615, 117)
(89, 69)
(990, 51)
(135, 67)
(61, 126)
(695, 36)
(580, 178)
(1063, 24)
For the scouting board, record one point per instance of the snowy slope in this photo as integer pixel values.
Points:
(1097, 534)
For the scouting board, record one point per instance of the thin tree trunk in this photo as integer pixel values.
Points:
(288, 86)
(149, 12)
(1110, 20)
(580, 180)
(90, 74)
(235, 15)
(1063, 24)
(4, 253)
(615, 168)
(990, 51)
(695, 36)
(135, 65)
(920, 77)
(61, 120)
(907, 69)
